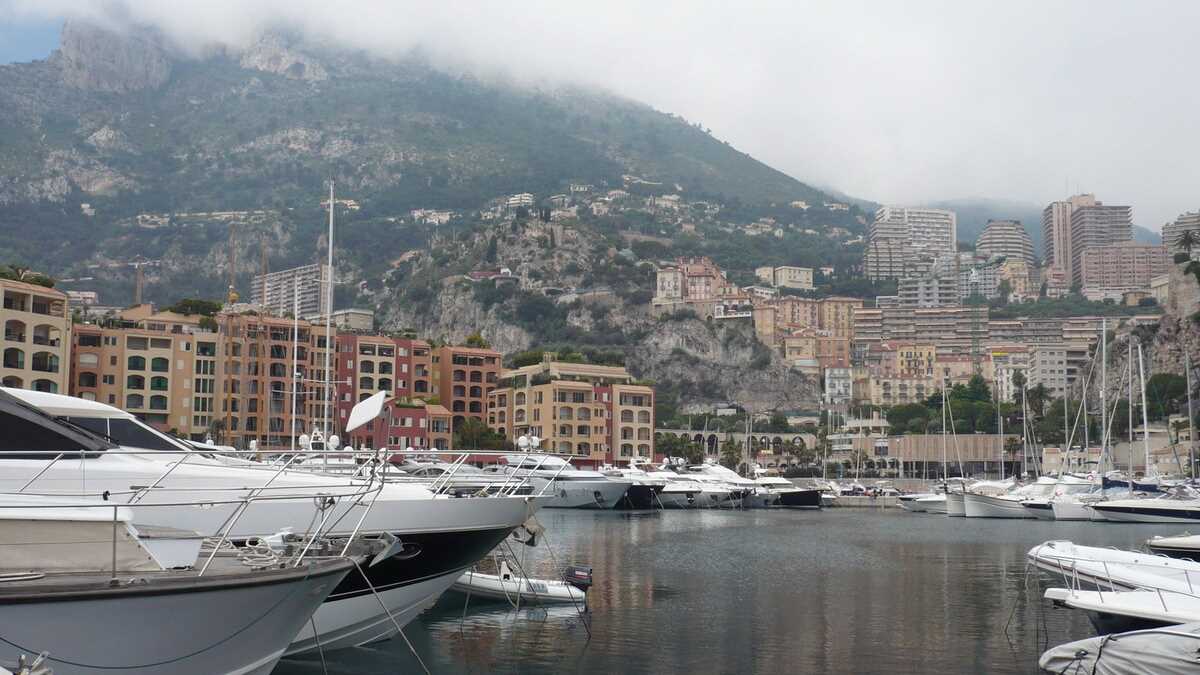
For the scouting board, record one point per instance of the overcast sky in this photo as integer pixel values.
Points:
(901, 102)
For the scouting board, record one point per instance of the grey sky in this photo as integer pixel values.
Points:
(892, 101)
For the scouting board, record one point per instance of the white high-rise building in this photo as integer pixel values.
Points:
(1185, 222)
(1056, 231)
(309, 284)
(908, 234)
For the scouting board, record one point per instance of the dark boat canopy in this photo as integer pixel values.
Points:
(28, 433)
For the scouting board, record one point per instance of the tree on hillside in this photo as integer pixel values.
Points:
(476, 341)
(731, 454)
(1187, 240)
(1163, 394)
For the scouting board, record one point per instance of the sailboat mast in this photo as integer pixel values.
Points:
(1103, 392)
(295, 359)
(945, 470)
(1187, 365)
(1000, 436)
(328, 320)
(1145, 413)
(1129, 368)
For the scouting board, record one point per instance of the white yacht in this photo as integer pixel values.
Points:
(106, 451)
(645, 491)
(680, 492)
(1066, 488)
(82, 586)
(739, 488)
(935, 503)
(567, 487)
(1002, 499)
(1180, 504)
(777, 491)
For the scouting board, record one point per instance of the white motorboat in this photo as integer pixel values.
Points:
(990, 499)
(1114, 569)
(1121, 611)
(956, 505)
(440, 536)
(645, 489)
(1163, 651)
(680, 492)
(568, 487)
(712, 473)
(142, 617)
(1066, 487)
(908, 502)
(1179, 505)
(1185, 546)
(786, 494)
(932, 504)
(518, 590)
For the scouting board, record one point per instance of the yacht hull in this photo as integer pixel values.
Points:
(909, 502)
(760, 500)
(955, 507)
(1147, 512)
(584, 494)
(800, 499)
(640, 496)
(669, 499)
(1070, 510)
(935, 504)
(985, 506)
(1039, 508)
(140, 629)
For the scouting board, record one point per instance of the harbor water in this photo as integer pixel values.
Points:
(762, 591)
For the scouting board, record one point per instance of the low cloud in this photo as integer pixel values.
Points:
(897, 102)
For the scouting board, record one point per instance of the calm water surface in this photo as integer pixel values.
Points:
(840, 591)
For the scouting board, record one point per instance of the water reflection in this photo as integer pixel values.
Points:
(764, 591)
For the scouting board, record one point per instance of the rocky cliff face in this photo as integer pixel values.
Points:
(272, 54)
(720, 361)
(97, 59)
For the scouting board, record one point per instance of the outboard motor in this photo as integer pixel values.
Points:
(579, 576)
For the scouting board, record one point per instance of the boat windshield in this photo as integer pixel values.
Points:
(29, 433)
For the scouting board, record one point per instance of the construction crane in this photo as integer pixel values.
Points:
(231, 296)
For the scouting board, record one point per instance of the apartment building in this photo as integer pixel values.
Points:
(981, 278)
(462, 379)
(1056, 231)
(368, 364)
(1097, 225)
(1056, 365)
(936, 288)
(898, 235)
(596, 413)
(1122, 267)
(800, 278)
(1007, 362)
(1186, 222)
(1006, 238)
(37, 337)
(306, 287)
(166, 379)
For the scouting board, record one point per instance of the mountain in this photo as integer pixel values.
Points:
(125, 123)
(974, 212)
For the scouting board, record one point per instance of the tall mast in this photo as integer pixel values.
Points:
(1187, 365)
(1000, 432)
(328, 319)
(1129, 368)
(945, 469)
(1145, 413)
(295, 359)
(1103, 391)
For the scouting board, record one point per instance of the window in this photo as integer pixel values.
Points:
(158, 402)
(47, 386)
(158, 383)
(86, 340)
(136, 363)
(108, 379)
(366, 383)
(385, 384)
(385, 368)
(366, 367)
(160, 365)
(134, 401)
(135, 382)
(14, 358)
(520, 398)
(89, 360)
(644, 416)
(87, 379)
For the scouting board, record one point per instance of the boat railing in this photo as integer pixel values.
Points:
(1069, 568)
(222, 535)
(514, 481)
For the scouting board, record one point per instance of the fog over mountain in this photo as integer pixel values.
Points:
(893, 102)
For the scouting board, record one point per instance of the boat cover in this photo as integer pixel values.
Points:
(1164, 651)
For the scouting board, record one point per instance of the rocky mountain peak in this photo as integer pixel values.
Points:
(273, 54)
(95, 58)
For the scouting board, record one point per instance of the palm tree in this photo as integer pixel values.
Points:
(1187, 240)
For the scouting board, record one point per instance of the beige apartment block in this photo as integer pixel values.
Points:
(37, 338)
